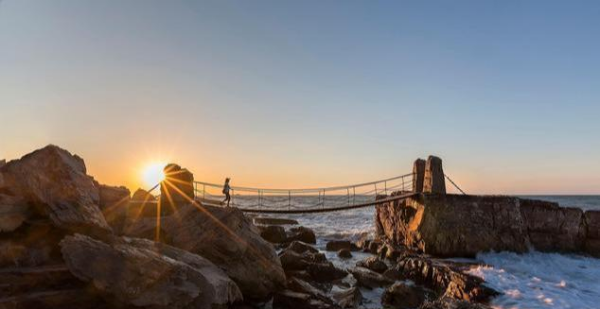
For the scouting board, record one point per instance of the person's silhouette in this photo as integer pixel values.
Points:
(226, 189)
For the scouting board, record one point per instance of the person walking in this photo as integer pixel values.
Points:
(226, 189)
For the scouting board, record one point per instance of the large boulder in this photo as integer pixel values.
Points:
(225, 237)
(114, 202)
(373, 263)
(145, 274)
(303, 234)
(272, 233)
(54, 184)
(368, 278)
(446, 279)
(401, 295)
(177, 187)
(336, 245)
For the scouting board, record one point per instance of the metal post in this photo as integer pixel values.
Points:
(385, 187)
(348, 191)
(289, 199)
(204, 191)
(353, 195)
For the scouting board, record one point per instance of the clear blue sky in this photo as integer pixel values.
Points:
(282, 93)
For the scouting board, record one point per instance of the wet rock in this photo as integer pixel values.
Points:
(325, 272)
(314, 264)
(301, 286)
(403, 296)
(141, 273)
(336, 245)
(373, 263)
(272, 233)
(275, 221)
(290, 299)
(301, 247)
(344, 254)
(374, 246)
(348, 299)
(368, 278)
(228, 239)
(54, 184)
(302, 234)
(445, 279)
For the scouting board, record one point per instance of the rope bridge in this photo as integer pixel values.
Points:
(312, 200)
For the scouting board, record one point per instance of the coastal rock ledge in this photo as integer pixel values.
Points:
(463, 225)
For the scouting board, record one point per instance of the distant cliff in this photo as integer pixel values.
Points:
(463, 225)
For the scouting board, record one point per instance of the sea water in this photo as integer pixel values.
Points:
(528, 281)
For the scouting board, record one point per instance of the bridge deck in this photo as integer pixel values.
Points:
(318, 210)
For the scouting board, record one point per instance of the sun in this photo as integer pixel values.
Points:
(153, 174)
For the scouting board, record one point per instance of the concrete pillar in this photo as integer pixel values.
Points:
(418, 175)
(435, 181)
(178, 187)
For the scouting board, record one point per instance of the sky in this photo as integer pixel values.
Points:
(309, 93)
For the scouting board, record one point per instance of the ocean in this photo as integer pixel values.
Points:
(528, 281)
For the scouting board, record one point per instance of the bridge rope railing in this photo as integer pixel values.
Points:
(304, 199)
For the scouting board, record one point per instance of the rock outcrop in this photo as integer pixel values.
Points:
(434, 180)
(225, 237)
(463, 225)
(53, 184)
(144, 274)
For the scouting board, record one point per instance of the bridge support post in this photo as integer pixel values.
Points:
(418, 175)
(434, 181)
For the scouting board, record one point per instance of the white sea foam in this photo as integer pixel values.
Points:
(542, 280)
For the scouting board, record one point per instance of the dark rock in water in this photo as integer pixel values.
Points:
(348, 299)
(434, 180)
(272, 233)
(177, 189)
(374, 246)
(274, 221)
(114, 202)
(301, 247)
(592, 224)
(289, 299)
(447, 303)
(336, 245)
(403, 296)
(227, 238)
(141, 273)
(302, 234)
(301, 286)
(54, 184)
(344, 254)
(369, 278)
(373, 263)
(314, 264)
(325, 272)
(445, 279)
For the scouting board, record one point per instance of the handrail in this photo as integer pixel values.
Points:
(304, 190)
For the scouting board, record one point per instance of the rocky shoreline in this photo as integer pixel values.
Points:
(68, 241)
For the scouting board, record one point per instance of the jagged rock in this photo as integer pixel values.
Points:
(143, 273)
(301, 247)
(113, 204)
(54, 183)
(141, 195)
(344, 254)
(445, 279)
(272, 233)
(178, 186)
(315, 265)
(434, 180)
(373, 263)
(446, 303)
(336, 245)
(325, 272)
(403, 296)
(463, 225)
(301, 286)
(302, 234)
(374, 246)
(227, 238)
(289, 299)
(348, 299)
(274, 221)
(368, 278)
